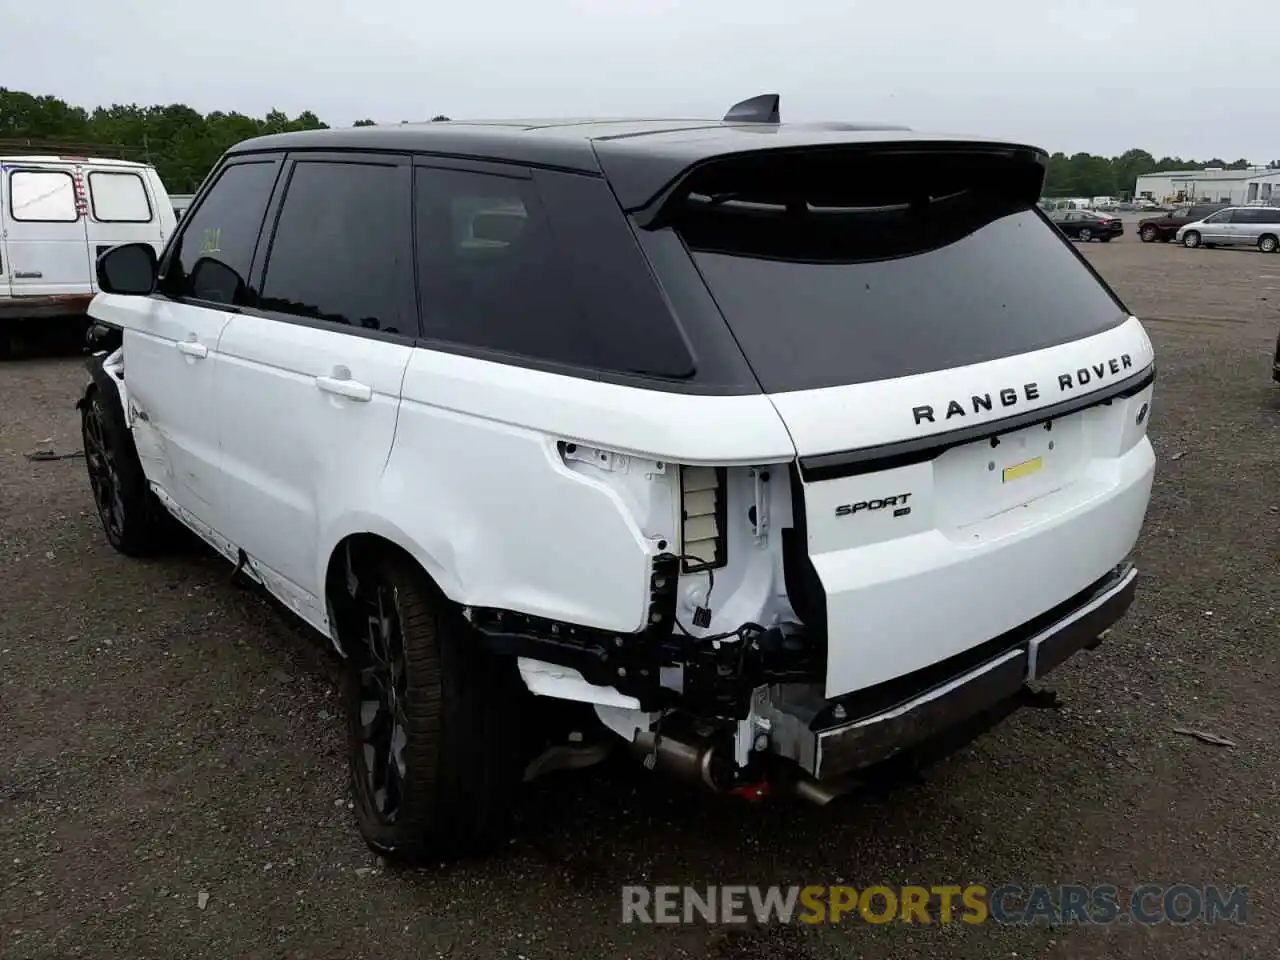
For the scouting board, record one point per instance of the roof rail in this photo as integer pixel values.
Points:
(761, 109)
(30, 146)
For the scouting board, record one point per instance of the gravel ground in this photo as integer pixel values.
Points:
(166, 737)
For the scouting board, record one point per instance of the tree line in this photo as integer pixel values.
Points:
(184, 144)
(1085, 175)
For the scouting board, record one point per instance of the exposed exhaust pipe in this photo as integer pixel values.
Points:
(822, 792)
(566, 757)
(696, 762)
(814, 792)
(689, 761)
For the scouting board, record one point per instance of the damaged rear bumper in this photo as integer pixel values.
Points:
(833, 738)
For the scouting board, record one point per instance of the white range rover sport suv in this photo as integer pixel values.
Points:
(765, 450)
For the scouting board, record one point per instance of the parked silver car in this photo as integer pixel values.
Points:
(1233, 226)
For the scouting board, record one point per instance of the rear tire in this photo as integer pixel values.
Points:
(1149, 234)
(1191, 240)
(1085, 235)
(432, 718)
(1268, 244)
(134, 520)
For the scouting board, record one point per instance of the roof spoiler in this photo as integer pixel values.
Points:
(844, 125)
(761, 109)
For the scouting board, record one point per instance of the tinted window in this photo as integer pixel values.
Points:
(42, 196)
(212, 255)
(1256, 215)
(872, 279)
(118, 198)
(542, 268)
(342, 250)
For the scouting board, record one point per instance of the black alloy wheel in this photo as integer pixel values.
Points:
(104, 476)
(384, 724)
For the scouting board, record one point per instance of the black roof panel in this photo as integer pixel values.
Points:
(638, 156)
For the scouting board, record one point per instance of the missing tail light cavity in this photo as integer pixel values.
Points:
(702, 511)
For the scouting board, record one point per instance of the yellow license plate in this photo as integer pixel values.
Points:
(1024, 469)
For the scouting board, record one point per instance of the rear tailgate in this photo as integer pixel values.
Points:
(930, 546)
(967, 397)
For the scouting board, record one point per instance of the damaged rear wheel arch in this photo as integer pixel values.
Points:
(432, 718)
(353, 555)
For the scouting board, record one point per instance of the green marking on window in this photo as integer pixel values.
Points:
(211, 241)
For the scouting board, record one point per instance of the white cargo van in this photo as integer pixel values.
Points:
(57, 215)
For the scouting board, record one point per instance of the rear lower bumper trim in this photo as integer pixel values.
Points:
(1051, 647)
(841, 749)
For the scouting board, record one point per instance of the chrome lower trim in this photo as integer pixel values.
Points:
(864, 742)
(1051, 647)
(842, 749)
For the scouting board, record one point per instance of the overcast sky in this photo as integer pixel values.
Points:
(1176, 77)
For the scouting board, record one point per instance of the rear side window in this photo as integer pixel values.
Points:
(836, 270)
(212, 254)
(342, 251)
(539, 268)
(1257, 215)
(118, 198)
(42, 196)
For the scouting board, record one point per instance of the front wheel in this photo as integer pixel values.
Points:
(135, 522)
(435, 740)
(1191, 239)
(1268, 244)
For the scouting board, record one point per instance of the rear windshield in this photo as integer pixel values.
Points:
(874, 270)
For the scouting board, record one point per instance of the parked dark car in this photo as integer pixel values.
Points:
(1163, 227)
(1086, 225)
(1275, 365)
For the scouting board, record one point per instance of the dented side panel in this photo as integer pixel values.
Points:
(550, 495)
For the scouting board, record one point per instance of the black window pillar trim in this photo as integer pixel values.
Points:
(184, 224)
(744, 383)
(271, 220)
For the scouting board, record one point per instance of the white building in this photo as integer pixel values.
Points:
(1213, 185)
